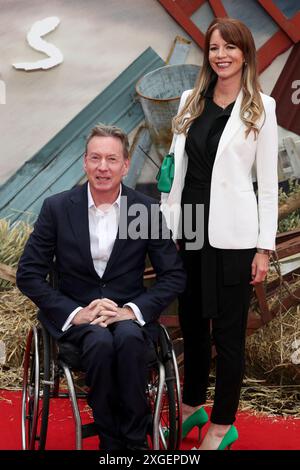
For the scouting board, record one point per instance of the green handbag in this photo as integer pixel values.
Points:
(165, 175)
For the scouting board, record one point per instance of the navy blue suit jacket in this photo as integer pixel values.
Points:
(61, 232)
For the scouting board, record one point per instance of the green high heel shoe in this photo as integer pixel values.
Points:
(230, 437)
(197, 419)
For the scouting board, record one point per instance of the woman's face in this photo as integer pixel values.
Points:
(225, 59)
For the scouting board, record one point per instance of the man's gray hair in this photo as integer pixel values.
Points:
(102, 130)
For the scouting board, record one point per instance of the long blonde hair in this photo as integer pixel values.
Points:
(233, 32)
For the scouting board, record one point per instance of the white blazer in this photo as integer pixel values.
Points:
(236, 220)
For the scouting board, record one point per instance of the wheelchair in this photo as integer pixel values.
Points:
(47, 364)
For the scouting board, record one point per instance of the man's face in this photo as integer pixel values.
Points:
(105, 165)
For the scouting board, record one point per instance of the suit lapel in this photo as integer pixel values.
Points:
(78, 215)
(233, 124)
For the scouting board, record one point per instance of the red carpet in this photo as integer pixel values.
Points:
(256, 433)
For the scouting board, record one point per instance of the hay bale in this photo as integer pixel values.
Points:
(8, 273)
(17, 314)
(13, 237)
(273, 352)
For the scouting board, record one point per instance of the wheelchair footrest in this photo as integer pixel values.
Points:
(89, 430)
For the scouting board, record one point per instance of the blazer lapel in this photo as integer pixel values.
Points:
(78, 215)
(233, 124)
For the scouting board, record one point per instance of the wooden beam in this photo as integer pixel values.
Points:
(296, 21)
(218, 8)
(275, 46)
(290, 27)
(190, 6)
(290, 278)
(287, 303)
(288, 247)
(184, 21)
(254, 321)
(262, 302)
(284, 236)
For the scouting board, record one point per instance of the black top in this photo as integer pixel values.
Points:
(209, 266)
(202, 141)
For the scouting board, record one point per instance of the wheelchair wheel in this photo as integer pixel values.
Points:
(165, 397)
(36, 390)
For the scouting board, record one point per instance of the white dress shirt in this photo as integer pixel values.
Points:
(103, 229)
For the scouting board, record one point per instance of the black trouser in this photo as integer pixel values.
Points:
(115, 361)
(228, 332)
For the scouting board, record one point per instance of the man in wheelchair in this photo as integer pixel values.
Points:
(99, 235)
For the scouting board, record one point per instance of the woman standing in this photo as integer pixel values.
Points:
(225, 128)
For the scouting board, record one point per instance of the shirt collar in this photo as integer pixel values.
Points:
(91, 200)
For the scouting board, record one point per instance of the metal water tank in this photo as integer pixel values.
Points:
(159, 92)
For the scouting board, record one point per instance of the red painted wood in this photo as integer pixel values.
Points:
(181, 17)
(275, 46)
(169, 320)
(296, 22)
(288, 112)
(290, 26)
(218, 8)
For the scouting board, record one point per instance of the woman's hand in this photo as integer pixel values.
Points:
(260, 267)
